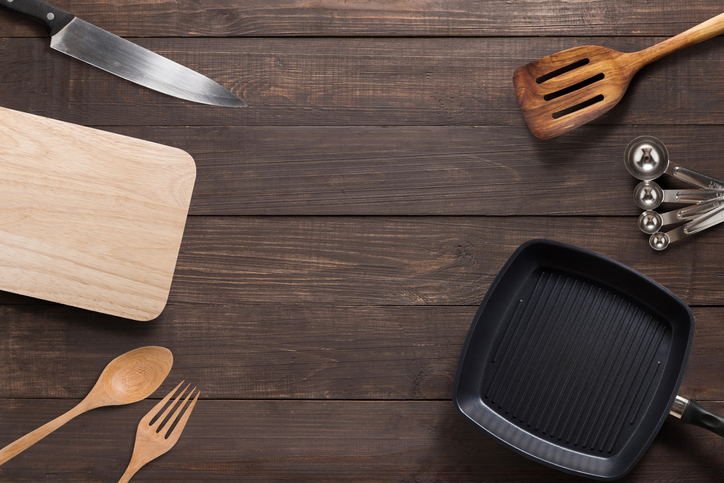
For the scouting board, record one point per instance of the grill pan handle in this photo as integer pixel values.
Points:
(690, 412)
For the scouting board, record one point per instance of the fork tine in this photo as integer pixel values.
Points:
(161, 420)
(174, 435)
(154, 411)
(173, 418)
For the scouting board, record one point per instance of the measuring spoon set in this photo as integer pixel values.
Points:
(646, 158)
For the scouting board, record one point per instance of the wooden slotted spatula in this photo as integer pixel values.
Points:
(562, 91)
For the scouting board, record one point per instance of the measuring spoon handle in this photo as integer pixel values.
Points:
(659, 241)
(690, 196)
(697, 179)
(694, 211)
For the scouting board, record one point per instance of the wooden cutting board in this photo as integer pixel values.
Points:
(90, 218)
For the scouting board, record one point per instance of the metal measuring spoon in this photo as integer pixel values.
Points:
(650, 221)
(646, 158)
(660, 240)
(648, 195)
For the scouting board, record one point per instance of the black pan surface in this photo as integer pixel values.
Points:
(573, 359)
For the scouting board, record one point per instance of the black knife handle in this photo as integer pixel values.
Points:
(52, 17)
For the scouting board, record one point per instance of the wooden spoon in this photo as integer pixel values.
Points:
(129, 378)
(562, 91)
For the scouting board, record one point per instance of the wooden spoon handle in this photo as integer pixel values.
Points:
(704, 31)
(13, 449)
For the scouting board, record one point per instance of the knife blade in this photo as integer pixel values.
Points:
(97, 47)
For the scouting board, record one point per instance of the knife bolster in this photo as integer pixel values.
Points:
(52, 17)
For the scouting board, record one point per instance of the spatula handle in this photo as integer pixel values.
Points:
(52, 17)
(703, 31)
(14, 449)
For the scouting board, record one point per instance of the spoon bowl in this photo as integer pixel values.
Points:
(646, 158)
(659, 241)
(648, 195)
(133, 376)
(650, 222)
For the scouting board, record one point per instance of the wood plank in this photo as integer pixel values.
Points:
(352, 82)
(277, 351)
(336, 441)
(359, 261)
(410, 260)
(264, 351)
(422, 170)
(330, 18)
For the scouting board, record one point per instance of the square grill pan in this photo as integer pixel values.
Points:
(573, 359)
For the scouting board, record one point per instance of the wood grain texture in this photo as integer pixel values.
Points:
(90, 219)
(422, 170)
(292, 352)
(157, 434)
(321, 441)
(410, 260)
(351, 82)
(360, 261)
(565, 90)
(127, 379)
(346, 226)
(370, 18)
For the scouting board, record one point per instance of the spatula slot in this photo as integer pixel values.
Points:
(578, 107)
(562, 70)
(574, 87)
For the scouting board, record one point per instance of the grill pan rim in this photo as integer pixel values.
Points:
(582, 463)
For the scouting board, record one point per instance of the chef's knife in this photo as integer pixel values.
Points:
(91, 44)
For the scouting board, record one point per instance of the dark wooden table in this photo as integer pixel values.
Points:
(346, 225)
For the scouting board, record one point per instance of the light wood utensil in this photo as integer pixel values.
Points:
(153, 440)
(90, 218)
(562, 91)
(127, 379)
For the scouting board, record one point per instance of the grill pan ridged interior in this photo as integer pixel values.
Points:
(557, 371)
(573, 359)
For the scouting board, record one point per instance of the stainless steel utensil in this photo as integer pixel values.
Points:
(650, 221)
(649, 195)
(646, 158)
(107, 51)
(660, 240)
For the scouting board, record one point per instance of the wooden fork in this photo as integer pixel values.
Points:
(153, 440)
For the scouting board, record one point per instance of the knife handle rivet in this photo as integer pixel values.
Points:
(50, 16)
